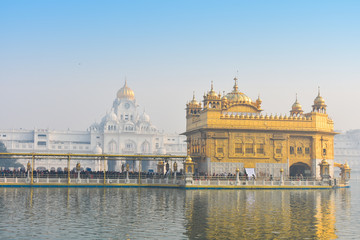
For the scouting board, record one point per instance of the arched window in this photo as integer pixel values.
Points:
(112, 146)
(249, 148)
(145, 147)
(238, 148)
(299, 150)
(292, 151)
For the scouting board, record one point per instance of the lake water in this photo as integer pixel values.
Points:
(143, 213)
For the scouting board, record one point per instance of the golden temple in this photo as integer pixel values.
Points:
(229, 131)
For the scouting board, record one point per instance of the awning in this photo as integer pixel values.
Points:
(250, 171)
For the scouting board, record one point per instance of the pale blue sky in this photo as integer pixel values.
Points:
(62, 62)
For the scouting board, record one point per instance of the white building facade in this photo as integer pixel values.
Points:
(125, 130)
(347, 148)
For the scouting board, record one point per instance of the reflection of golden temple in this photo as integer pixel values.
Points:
(229, 132)
(260, 214)
(345, 172)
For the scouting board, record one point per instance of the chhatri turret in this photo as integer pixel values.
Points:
(319, 104)
(212, 100)
(193, 108)
(296, 109)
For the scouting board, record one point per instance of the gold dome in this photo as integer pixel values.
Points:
(126, 92)
(193, 101)
(296, 109)
(296, 106)
(258, 100)
(212, 93)
(236, 95)
(319, 100)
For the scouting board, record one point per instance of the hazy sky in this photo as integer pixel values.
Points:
(62, 62)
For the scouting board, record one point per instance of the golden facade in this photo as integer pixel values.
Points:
(229, 131)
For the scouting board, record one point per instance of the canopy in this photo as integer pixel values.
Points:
(250, 171)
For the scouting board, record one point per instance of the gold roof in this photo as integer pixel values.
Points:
(126, 92)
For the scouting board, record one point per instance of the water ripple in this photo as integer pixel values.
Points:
(126, 213)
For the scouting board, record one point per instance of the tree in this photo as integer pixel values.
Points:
(8, 162)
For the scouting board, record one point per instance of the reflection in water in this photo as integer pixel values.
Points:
(134, 213)
(255, 214)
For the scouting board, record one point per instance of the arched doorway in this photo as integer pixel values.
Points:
(300, 168)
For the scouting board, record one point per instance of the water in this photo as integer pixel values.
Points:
(135, 213)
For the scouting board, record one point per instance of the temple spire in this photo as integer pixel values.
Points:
(235, 85)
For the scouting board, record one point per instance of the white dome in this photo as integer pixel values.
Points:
(112, 117)
(98, 150)
(144, 118)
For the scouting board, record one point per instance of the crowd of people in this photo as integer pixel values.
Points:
(84, 174)
(88, 173)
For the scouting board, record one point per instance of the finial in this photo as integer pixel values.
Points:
(193, 95)
(125, 82)
(235, 85)
(318, 90)
(212, 85)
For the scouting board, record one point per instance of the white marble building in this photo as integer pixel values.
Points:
(125, 130)
(347, 148)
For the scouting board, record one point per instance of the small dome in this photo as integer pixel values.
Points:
(97, 150)
(144, 117)
(296, 109)
(296, 106)
(193, 101)
(319, 100)
(212, 93)
(112, 116)
(126, 92)
(258, 100)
